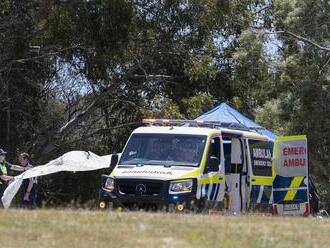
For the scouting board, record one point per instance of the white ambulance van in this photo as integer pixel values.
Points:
(179, 164)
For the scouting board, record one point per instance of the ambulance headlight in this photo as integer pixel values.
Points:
(184, 186)
(109, 184)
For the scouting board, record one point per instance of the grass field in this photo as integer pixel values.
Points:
(59, 228)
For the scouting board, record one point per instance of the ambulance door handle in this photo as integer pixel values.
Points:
(253, 180)
(220, 178)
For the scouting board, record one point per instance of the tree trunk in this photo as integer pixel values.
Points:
(8, 121)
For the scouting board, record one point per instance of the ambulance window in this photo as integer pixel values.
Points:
(215, 147)
(227, 154)
(261, 157)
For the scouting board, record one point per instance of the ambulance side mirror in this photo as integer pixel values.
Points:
(113, 161)
(212, 164)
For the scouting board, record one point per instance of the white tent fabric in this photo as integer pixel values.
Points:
(71, 161)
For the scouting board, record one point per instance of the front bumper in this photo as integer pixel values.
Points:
(157, 193)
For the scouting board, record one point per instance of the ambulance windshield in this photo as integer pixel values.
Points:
(164, 149)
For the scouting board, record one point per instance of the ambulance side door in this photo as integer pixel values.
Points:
(260, 173)
(212, 183)
(291, 180)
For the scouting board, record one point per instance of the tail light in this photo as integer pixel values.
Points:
(275, 212)
(306, 213)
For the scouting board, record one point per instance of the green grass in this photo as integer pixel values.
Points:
(59, 228)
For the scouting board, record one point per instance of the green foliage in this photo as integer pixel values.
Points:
(303, 73)
(269, 114)
(121, 61)
(197, 105)
(188, 108)
(162, 108)
(251, 78)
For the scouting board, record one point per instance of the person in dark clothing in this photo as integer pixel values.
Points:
(314, 197)
(28, 187)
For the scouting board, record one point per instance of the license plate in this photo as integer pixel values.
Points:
(291, 207)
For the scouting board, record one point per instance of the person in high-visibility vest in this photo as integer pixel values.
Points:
(4, 171)
(4, 168)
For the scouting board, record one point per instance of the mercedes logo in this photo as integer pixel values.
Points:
(140, 189)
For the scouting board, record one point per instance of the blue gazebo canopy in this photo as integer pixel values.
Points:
(226, 114)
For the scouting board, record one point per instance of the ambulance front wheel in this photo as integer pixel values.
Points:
(104, 205)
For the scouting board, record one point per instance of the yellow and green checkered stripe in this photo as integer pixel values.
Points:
(290, 189)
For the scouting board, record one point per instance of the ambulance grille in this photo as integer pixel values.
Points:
(139, 187)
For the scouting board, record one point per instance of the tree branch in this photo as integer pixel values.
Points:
(50, 145)
(104, 131)
(301, 38)
(150, 76)
(308, 41)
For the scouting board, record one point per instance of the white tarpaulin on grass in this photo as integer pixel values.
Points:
(71, 161)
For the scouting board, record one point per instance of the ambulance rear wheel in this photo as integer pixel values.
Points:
(201, 206)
